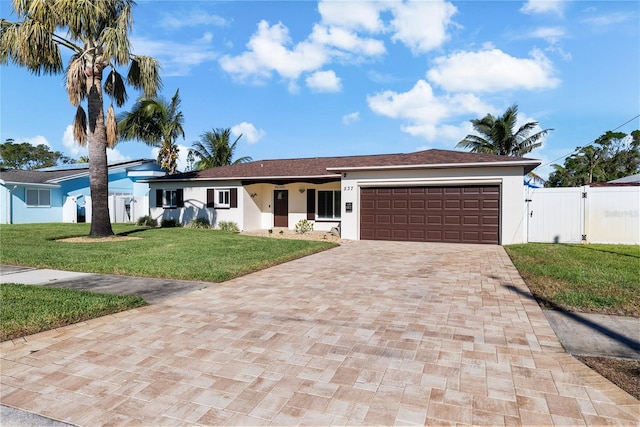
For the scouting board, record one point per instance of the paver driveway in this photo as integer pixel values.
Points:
(368, 333)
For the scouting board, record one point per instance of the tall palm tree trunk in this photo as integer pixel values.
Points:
(98, 170)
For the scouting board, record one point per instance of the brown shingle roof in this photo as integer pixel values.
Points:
(331, 166)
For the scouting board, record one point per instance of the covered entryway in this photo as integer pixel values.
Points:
(451, 214)
(281, 208)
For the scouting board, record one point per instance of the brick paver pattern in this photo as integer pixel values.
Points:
(369, 333)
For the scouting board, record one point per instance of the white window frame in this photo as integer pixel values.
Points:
(169, 198)
(335, 205)
(39, 197)
(225, 195)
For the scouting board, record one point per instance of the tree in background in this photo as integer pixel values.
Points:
(97, 34)
(498, 135)
(27, 156)
(613, 155)
(158, 123)
(213, 150)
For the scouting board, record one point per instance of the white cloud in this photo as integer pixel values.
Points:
(347, 119)
(534, 7)
(550, 34)
(422, 25)
(267, 52)
(71, 145)
(493, 70)
(609, 19)
(324, 81)
(115, 156)
(424, 112)
(345, 33)
(75, 151)
(176, 59)
(248, 131)
(355, 15)
(193, 18)
(346, 40)
(35, 141)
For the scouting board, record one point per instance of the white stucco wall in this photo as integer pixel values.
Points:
(195, 203)
(510, 180)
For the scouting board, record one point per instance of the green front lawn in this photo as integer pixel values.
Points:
(176, 253)
(585, 278)
(28, 309)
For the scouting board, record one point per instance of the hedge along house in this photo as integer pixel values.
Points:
(62, 193)
(432, 195)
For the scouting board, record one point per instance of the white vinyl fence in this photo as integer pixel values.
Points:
(122, 208)
(584, 214)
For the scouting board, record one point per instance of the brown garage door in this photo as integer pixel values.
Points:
(462, 214)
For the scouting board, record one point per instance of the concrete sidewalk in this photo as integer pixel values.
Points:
(150, 289)
(448, 335)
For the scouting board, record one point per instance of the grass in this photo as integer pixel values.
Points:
(28, 309)
(583, 278)
(175, 253)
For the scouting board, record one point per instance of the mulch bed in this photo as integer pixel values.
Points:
(622, 372)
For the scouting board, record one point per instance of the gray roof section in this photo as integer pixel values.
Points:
(56, 174)
(631, 179)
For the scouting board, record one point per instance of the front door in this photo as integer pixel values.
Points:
(281, 208)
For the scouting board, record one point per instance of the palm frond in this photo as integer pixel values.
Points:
(36, 50)
(114, 87)
(144, 74)
(76, 80)
(116, 45)
(112, 127)
(80, 127)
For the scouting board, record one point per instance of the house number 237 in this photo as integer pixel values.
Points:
(348, 188)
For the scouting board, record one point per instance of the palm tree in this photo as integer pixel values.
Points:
(158, 123)
(214, 150)
(498, 135)
(97, 36)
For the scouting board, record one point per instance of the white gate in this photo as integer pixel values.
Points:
(584, 214)
(127, 208)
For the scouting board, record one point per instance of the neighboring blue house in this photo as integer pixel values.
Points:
(62, 194)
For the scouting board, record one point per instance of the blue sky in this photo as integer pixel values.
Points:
(329, 78)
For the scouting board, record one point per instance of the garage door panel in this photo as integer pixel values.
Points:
(400, 204)
(452, 220)
(383, 219)
(399, 220)
(434, 220)
(465, 214)
(383, 204)
(417, 204)
(416, 219)
(471, 220)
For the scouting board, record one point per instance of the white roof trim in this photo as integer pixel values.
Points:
(29, 184)
(146, 173)
(439, 166)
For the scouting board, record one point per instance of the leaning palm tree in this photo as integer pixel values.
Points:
(97, 34)
(158, 123)
(498, 135)
(214, 150)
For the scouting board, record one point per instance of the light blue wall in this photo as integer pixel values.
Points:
(4, 205)
(119, 182)
(23, 214)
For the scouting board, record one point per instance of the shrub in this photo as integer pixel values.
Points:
(228, 226)
(147, 221)
(304, 226)
(169, 222)
(199, 223)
